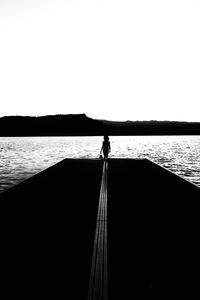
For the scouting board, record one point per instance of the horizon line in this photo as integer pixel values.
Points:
(99, 119)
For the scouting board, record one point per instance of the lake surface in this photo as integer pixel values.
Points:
(22, 157)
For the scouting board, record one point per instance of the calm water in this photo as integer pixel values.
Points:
(21, 157)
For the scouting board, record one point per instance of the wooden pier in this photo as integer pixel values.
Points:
(128, 229)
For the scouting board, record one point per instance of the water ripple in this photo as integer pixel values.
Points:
(20, 158)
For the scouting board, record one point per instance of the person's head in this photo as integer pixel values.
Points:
(106, 138)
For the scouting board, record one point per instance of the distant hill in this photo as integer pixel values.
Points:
(81, 125)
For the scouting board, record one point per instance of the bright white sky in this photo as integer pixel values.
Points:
(110, 59)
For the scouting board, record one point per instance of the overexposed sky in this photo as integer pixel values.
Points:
(114, 59)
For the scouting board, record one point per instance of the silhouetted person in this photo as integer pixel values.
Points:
(105, 147)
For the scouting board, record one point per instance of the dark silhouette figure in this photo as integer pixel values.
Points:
(105, 147)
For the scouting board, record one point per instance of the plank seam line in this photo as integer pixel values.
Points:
(98, 276)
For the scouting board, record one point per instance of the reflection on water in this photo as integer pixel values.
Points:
(21, 157)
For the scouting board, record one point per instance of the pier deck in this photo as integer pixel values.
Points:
(150, 229)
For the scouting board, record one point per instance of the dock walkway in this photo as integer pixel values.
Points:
(147, 218)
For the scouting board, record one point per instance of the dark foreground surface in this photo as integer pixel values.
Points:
(153, 228)
(48, 227)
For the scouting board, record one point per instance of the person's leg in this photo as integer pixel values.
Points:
(105, 154)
